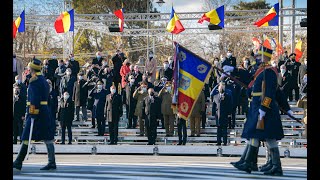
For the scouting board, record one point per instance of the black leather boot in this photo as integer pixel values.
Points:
(22, 154)
(248, 161)
(276, 169)
(254, 163)
(268, 165)
(242, 157)
(51, 158)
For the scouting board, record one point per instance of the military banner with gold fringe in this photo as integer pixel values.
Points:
(190, 74)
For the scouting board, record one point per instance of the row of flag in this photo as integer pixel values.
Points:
(65, 22)
(277, 46)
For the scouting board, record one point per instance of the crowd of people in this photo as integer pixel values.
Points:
(146, 94)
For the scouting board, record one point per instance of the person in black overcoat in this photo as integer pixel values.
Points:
(19, 110)
(113, 111)
(65, 116)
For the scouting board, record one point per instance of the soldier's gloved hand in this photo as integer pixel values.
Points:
(227, 68)
(261, 113)
(290, 112)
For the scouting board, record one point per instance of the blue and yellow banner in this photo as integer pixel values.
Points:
(190, 74)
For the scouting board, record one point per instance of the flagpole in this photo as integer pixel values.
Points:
(24, 33)
(73, 42)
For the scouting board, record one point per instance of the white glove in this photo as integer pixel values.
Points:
(261, 114)
(228, 68)
(290, 112)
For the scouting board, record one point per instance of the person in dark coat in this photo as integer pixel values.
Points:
(45, 70)
(80, 95)
(284, 80)
(293, 68)
(166, 71)
(130, 102)
(137, 75)
(98, 59)
(67, 82)
(75, 66)
(99, 96)
(264, 108)
(235, 88)
(65, 116)
(224, 104)
(151, 108)
(113, 112)
(284, 59)
(106, 76)
(117, 61)
(230, 59)
(93, 71)
(59, 73)
(37, 111)
(91, 85)
(52, 101)
(207, 99)
(19, 110)
(52, 66)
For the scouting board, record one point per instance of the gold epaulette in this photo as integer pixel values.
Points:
(266, 102)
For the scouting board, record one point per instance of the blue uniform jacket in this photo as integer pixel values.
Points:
(272, 122)
(37, 108)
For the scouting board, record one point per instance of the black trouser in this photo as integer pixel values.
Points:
(63, 127)
(232, 120)
(204, 118)
(131, 117)
(113, 131)
(151, 126)
(93, 121)
(116, 84)
(17, 129)
(182, 128)
(296, 92)
(222, 132)
(162, 121)
(101, 125)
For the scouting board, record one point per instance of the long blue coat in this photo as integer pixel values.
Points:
(98, 109)
(37, 108)
(272, 122)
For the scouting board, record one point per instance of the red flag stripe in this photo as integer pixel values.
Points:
(267, 18)
(178, 27)
(58, 24)
(204, 18)
(15, 29)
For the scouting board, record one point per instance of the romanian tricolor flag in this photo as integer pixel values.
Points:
(120, 15)
(19, 24)
(215, 17)
(298, 50)
(65, 22)
(190, 75)
(271, 19)
(174, 26)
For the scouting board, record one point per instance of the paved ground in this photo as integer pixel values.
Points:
(148, 167)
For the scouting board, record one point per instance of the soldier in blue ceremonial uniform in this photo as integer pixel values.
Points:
(263, 121)
(37, 109)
